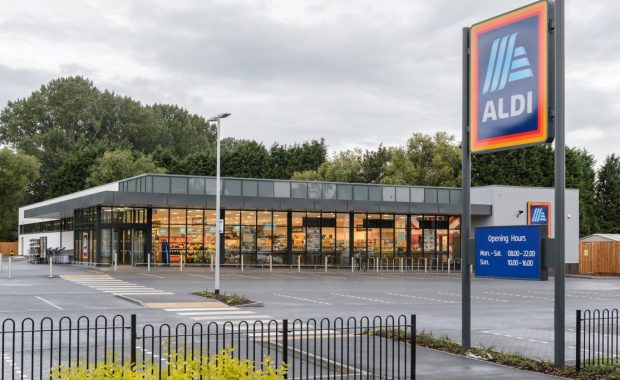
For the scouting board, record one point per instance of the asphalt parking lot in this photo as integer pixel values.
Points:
(515, 316)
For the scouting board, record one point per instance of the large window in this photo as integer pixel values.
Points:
(328, 232)
(373, 223)
(416, 236)
(264, 231)
(248, 231)
(279, 231)
(387, 235)
(232, 234)
(400, 234)
(313, 232)
(195, 244)
(178, 236)
(359, 233)
(159, 234)
(209, 233)
(342, 234)
(454, 241)
(429, 235)
(298, 232)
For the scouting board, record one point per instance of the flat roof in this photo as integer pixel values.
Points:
(165, 190)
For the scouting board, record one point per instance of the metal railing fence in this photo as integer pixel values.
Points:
(351, 348)
(598, 337)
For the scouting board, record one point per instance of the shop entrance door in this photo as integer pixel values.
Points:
(129, 245)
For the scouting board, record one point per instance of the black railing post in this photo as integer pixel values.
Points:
(133, 340)
(413, 345)
(578, 351)
(285, 345)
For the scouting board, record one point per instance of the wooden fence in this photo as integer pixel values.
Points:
(599, 257)
(6, 248)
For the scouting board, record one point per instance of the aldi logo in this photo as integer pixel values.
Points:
(539, 213)
(508, 80)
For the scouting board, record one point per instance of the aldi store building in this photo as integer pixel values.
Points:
(172, 216)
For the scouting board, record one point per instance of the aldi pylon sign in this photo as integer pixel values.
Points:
(508, 80)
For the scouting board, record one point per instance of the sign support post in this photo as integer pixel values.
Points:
(560, 185)
(466, 202)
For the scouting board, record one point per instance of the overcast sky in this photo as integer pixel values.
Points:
(356, 72)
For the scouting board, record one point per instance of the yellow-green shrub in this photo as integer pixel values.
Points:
(222, 366)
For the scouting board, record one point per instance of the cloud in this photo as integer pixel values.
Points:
(357, 72)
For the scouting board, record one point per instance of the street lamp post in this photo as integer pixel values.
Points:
(219, 224)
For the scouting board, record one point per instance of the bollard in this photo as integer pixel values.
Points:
(325, 264)
(270, 263)
(352, 264)
(1, 260)
(449, 265)
(211, 262)
(115, 261)
(10, 267)
(51, 259)
(425, 265)
(402, 269)
(242, 262)
(377, 264)
(148, 262)
(298, 263)
(181, 264)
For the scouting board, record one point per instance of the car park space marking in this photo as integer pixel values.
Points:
(474, 297)
(287, 276)
(591, 296)
(199, 275)
(107, 284)
(360, 298)
(241, 275)
(300, 299)
(48, 302)
(419, 297)
(328, 276)
(520, 295)
(150, 275)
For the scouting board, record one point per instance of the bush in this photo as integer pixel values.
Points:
(222, 366)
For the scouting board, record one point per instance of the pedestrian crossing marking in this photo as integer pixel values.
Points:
(107, 284)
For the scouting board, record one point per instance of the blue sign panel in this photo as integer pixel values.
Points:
(509, 252)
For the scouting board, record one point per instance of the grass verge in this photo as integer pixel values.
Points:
(515, 360)
(228, 299)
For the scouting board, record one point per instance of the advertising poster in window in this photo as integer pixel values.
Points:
(314, 239)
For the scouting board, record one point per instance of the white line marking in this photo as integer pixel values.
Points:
(327, 276)
(219, 318)
(48, 302)
(243, 275)
(221, 314)
(360, 298)
(150, 275)
(202, 309)
(418, 297)
(199, 275)
(301, 299)
(285, 276)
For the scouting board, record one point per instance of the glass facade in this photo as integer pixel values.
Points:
(130, 233)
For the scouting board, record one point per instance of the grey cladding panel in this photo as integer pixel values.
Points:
(443, 196)
(232, 187)
(417, 194)
(374, 193)
(315, 190)
(360, 193)
(250, 188)
(299, 190)
(329, 191)
(430, 195)
(402, 194)
(282, 189)
(196, 186)
(345, 192)
(265, 189)
(161, 185)
(178, 185)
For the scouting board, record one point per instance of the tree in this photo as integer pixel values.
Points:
(17, 171)
(345, 166)
(436, 160)
(118, 164)
(580, 175)
(608, 195)
(243, 158)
